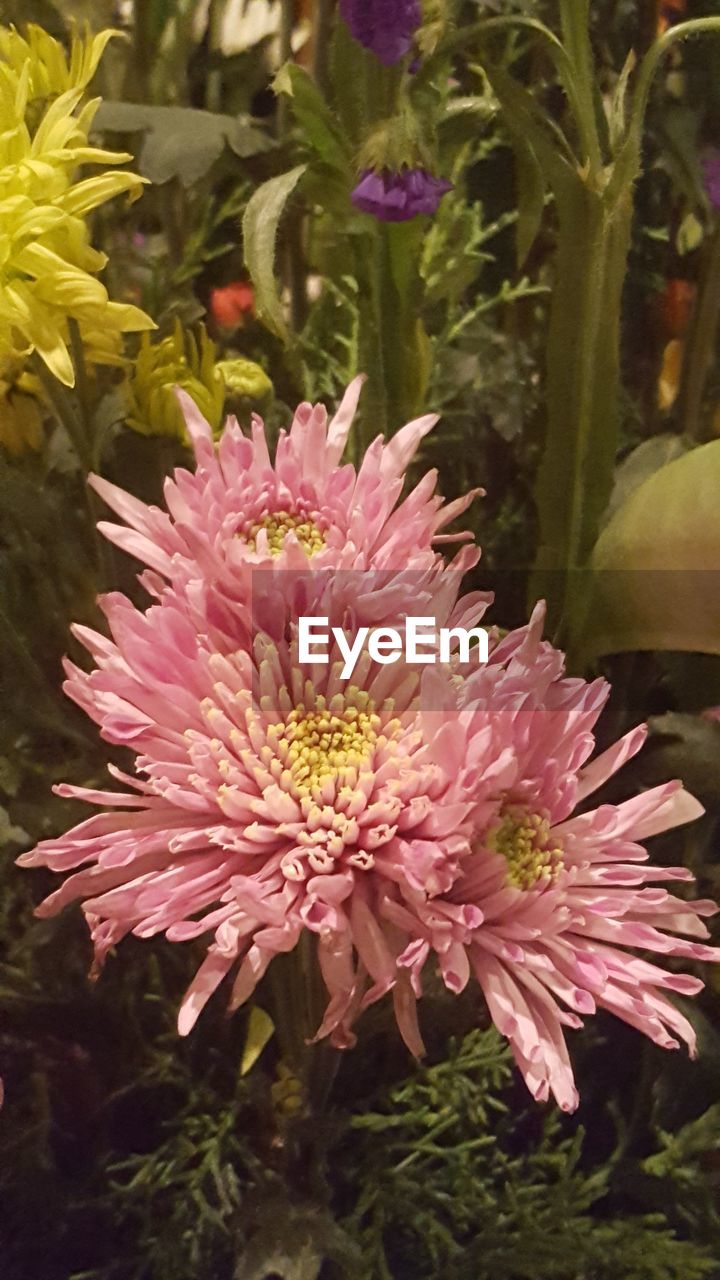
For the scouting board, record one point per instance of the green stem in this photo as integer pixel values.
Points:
(81, 384)
(374, 418)
(582, 396)
(75, 416)
(213, 93)
(701, 343)
(321, 38)
(287, 24)
(64, 409)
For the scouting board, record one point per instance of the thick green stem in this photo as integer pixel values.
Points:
(701, 343)
(582, 396)
(394, 345)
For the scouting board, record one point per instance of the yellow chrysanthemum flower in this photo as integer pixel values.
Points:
(48, 268)
(51, 71)
(180, 360)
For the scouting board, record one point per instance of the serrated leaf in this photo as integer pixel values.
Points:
(618, 115)
(317, 123)
(260, 227)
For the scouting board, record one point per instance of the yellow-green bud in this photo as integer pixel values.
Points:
(244, 378)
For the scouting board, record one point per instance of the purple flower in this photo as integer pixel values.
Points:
(710, 166)
(397, 197)
(386, 27)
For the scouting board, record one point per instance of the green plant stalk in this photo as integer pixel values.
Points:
(322, 31)
(701, 343)
(372, 340)
(73, 412)
(393, 345)
(401, 300)
(298, 1005)
(594, 205)
(583, 376)
(287, 22)
(213, 93)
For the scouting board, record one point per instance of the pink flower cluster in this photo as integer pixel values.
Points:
(412, 817)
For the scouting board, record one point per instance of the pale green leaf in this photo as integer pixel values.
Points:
(181, 142)
(531, 190)
(643, 462)
(260, 227)
(656, 581)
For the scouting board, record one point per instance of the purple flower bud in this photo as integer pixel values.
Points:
(386, 27)
(397, 197)
(710, 166)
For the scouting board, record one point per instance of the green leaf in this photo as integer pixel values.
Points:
(531, 189)
(618, 115)
(643, 462)
(317, 124)
(656, 581)
(182, 142)
(260, 227)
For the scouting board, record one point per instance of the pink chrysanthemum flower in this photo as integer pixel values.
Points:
(397, 819)
(561, 894)
(272, 800)
(241, 512)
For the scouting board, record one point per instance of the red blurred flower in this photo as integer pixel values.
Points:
(675, 307)
(231, 303)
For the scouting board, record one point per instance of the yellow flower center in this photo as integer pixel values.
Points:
(308, 533)
(328, 742)
(526, 842)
